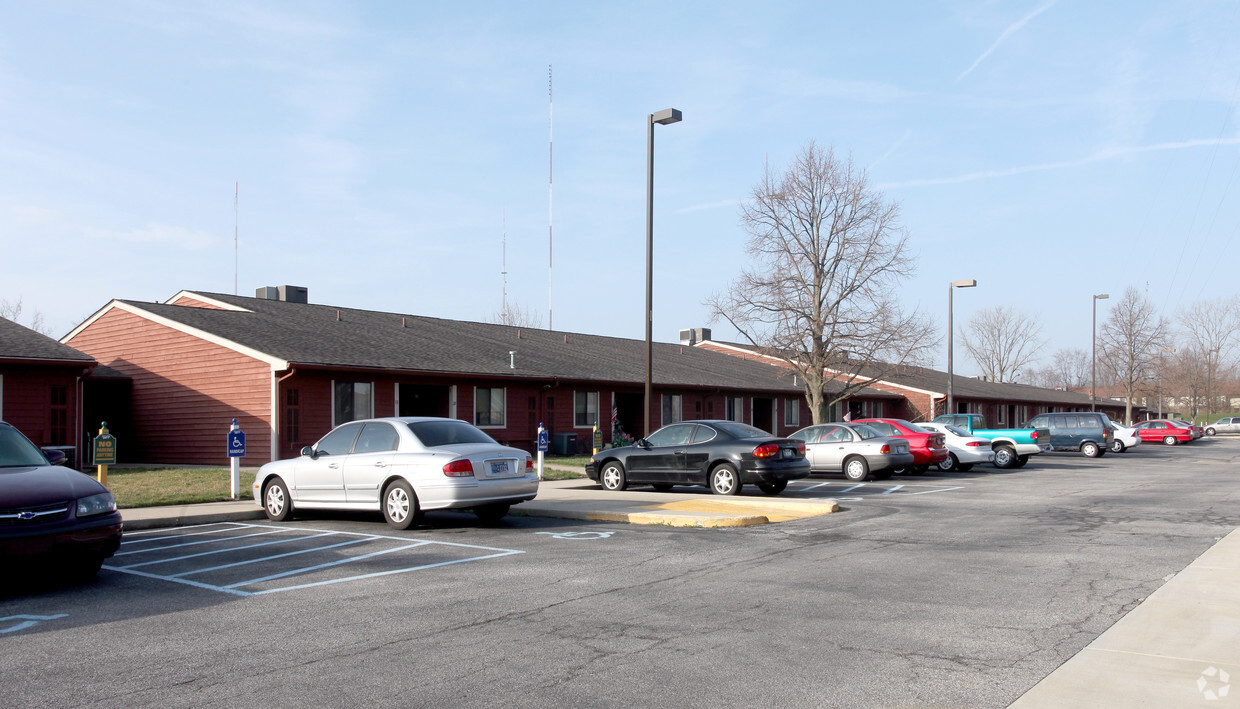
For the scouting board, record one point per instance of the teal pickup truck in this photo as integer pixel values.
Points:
(1012, 446)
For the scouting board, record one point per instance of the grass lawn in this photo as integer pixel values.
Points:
(152, 487)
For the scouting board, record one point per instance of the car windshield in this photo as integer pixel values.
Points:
(865, 432)
(17, 451)
(445, 433)
(740, 430)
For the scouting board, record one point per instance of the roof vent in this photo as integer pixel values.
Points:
(289, 294)
(267, 293)
(694, 335)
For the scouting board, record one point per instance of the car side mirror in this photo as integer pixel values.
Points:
(642, 443)
(54, 456)
(307, 450)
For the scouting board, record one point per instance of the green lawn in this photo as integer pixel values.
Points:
(153, 487)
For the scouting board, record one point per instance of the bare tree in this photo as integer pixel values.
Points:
(517, 316)
(826, 252)
(1184, 379)
(1002, 341)
(13, 311)
(1130, 341)
(1213, 328)
(1069, 369)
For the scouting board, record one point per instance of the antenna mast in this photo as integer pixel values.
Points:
(550, 192)
(236, 251)
(504, 267)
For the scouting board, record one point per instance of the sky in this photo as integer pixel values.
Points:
(398, 156)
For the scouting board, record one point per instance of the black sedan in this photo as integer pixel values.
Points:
(722, 455)
(50, 514)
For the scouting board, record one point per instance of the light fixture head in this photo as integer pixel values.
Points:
(667, 115)
(1101, 296)
(970, 283)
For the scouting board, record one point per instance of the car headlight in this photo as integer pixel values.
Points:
(96, 505)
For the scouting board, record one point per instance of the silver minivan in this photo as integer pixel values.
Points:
(1227, 424)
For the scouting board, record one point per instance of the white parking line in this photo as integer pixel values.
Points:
(237, 588)
(868, 489)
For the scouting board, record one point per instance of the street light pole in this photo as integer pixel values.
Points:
(950, 375)
(1093, 356)
(664, 117)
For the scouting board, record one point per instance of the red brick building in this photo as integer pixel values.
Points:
(289, 371)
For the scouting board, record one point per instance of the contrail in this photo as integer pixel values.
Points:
(1006, 33)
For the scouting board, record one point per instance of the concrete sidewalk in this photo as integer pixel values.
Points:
(1179, 648)
(565, 499)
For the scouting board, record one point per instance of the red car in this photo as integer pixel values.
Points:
(927, 448)
(1164, 431)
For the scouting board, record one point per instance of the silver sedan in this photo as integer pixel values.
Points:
(858, 451)
(402, 466)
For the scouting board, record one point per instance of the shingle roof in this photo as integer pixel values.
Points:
(20, 342)
(310, 334)
(934, 381)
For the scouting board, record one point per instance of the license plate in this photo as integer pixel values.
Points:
(788, 453)
(499, 467)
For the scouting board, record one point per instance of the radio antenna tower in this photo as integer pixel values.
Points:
(236, 250)
(550, 193)
(504, 267)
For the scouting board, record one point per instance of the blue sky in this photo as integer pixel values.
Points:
(1049, 149)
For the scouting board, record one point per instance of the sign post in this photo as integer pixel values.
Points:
(105, 453)
(543, 444)
(236, 450)
(598, 438)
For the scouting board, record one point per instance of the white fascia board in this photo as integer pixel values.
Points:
(893, 384)
(275, 362)
(198, 296)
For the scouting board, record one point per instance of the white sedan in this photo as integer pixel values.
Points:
(964, 450)
(1123, 438)
(402, 466)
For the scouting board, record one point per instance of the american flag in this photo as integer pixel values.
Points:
(614, 414)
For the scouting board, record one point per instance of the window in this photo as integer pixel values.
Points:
(672, 435)
(58, 423)
(735, 408)
(585, 408)
(1000, 408)
(292, 416)
(884, 428)
(792, 412)
(433, 434)
(877, 408)
(351, 401)
(671, 408)
(339, 441)
(489, 406)
(376, 438)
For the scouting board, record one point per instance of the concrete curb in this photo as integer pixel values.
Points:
(186, 515)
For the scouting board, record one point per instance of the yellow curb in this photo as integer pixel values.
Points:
(675, 520)
(772, 510)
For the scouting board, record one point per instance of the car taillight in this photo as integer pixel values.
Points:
(459, 469)
(529, 465)
(1034, 435)
(885, 449)
(975, 444)
(801, 448)
(766, 450)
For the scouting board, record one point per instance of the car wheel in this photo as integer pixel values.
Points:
(400, 505)
(918, 469)
(1089, 449)
(1210, 432)
(1170, 440)
(662, 487)
(856, 469)
(1005, 457)
(493, 513)
(948, 464)
(1021, 460)
(1117, 446)
(964, 467)
(724, 480)
(773, 488)
(612, 477)
(277, 503)
(82, 569)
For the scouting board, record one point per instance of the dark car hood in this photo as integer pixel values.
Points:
(44, 485)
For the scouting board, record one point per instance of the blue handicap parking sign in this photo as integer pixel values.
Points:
(236, 444)
(542, 441)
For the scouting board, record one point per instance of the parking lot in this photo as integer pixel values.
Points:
(941, 589)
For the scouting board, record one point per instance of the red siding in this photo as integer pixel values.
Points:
(186, 391)
(27, 401)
